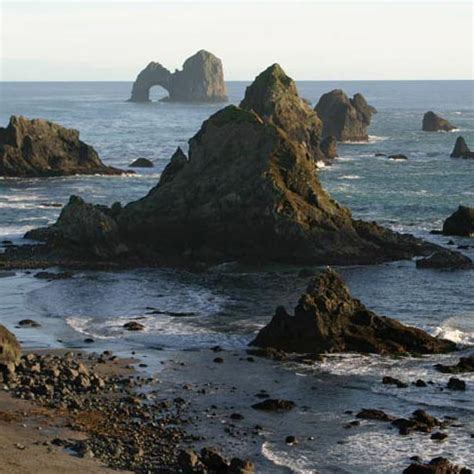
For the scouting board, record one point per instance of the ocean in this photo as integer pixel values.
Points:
(226, 305)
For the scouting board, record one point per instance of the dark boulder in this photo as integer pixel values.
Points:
(435, 123)
(328, 319)
(374, 414)
(272, 404)
(344, 118)
(142, 163)
(461, 150)
(436, 466)
(200, 80)
(465, 364)
(456, 384)
(460, 222)
(445, 260)
(38, 148)
(134, 326)
(398, 157)
(10, 349)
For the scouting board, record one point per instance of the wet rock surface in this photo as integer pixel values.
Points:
(465, 364)
(434, 123)
(200, 80)
(461, 150)
(445, 260)
(345, 118)
(38, 148)
(142, 163)
(328, 319)
(437, 465)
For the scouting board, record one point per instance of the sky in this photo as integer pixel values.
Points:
(112, 40)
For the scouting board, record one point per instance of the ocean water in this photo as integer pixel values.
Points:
(228, 304)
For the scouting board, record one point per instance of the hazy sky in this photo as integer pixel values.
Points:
(114, 40)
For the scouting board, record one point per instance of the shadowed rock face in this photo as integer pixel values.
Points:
(248, 192)
(176, 164)
(435, 123)
(460, 222)
(200, 80)
(328, 319)
(461, 150)
(10, 349)
(273, 96)
(344, 118)
(36, 148)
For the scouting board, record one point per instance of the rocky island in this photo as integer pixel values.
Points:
(200, 80)
(38, 148)
(461, 150)
(247, 191)
(345, 118)
(434, 123)
(328, 319)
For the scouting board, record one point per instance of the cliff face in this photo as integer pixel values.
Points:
(200, 80)
(328, 319)
(31, 148)
(274, 97)
(344, 118)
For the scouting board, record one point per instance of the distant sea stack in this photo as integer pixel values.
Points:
(201, 80)
(461, 150)
(38, 148)
(435, 123)
(328, 319)
(344, 118)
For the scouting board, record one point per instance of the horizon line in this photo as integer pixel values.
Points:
(53, 81)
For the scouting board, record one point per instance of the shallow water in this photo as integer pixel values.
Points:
(228, 304)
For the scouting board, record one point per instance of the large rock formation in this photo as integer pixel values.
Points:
(273, 96)
(435, 123)
(460, 222)
(200, 80)
(346, 119)
(328, 319)
(84, 229)
(248, 191)
(461, 150)
(36, 148)
(10, 349)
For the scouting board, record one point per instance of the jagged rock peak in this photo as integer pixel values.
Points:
(346, 119)
(200, 80)
(328, 319)
(176, 164)
(274, 97)
(36, 148)
(461, 150)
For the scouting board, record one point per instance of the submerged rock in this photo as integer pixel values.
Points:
(465, 364)
(10, 349)
(461, 150)
(460, 222)
(142, 163)
(200, 80)
(398, 157)
(271, 404)
(435, 123)
(273, 96)
(328, 319)
(38, 148)
(445, 260)
(344, 118)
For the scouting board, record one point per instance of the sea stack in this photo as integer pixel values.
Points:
(461, 150)
(328, 319)
(435, 123)
(460, 222)
(273, 96)
(201, 80)
(344, 118)
(38, 148)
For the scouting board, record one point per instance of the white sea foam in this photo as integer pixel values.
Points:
(297, 465)
(350, 176)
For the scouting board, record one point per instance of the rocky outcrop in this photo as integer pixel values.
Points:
(435, 123)
(200, 80)
(460, 222)
(10, 349)
(176, 164)
(84, 229)
(344, 118)
(328, 319)
(461, 150)
(37, 148)
(465, 364)
(445, 260)
(142, 163)
(328, 147)
(273, 96)
(436, 466)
